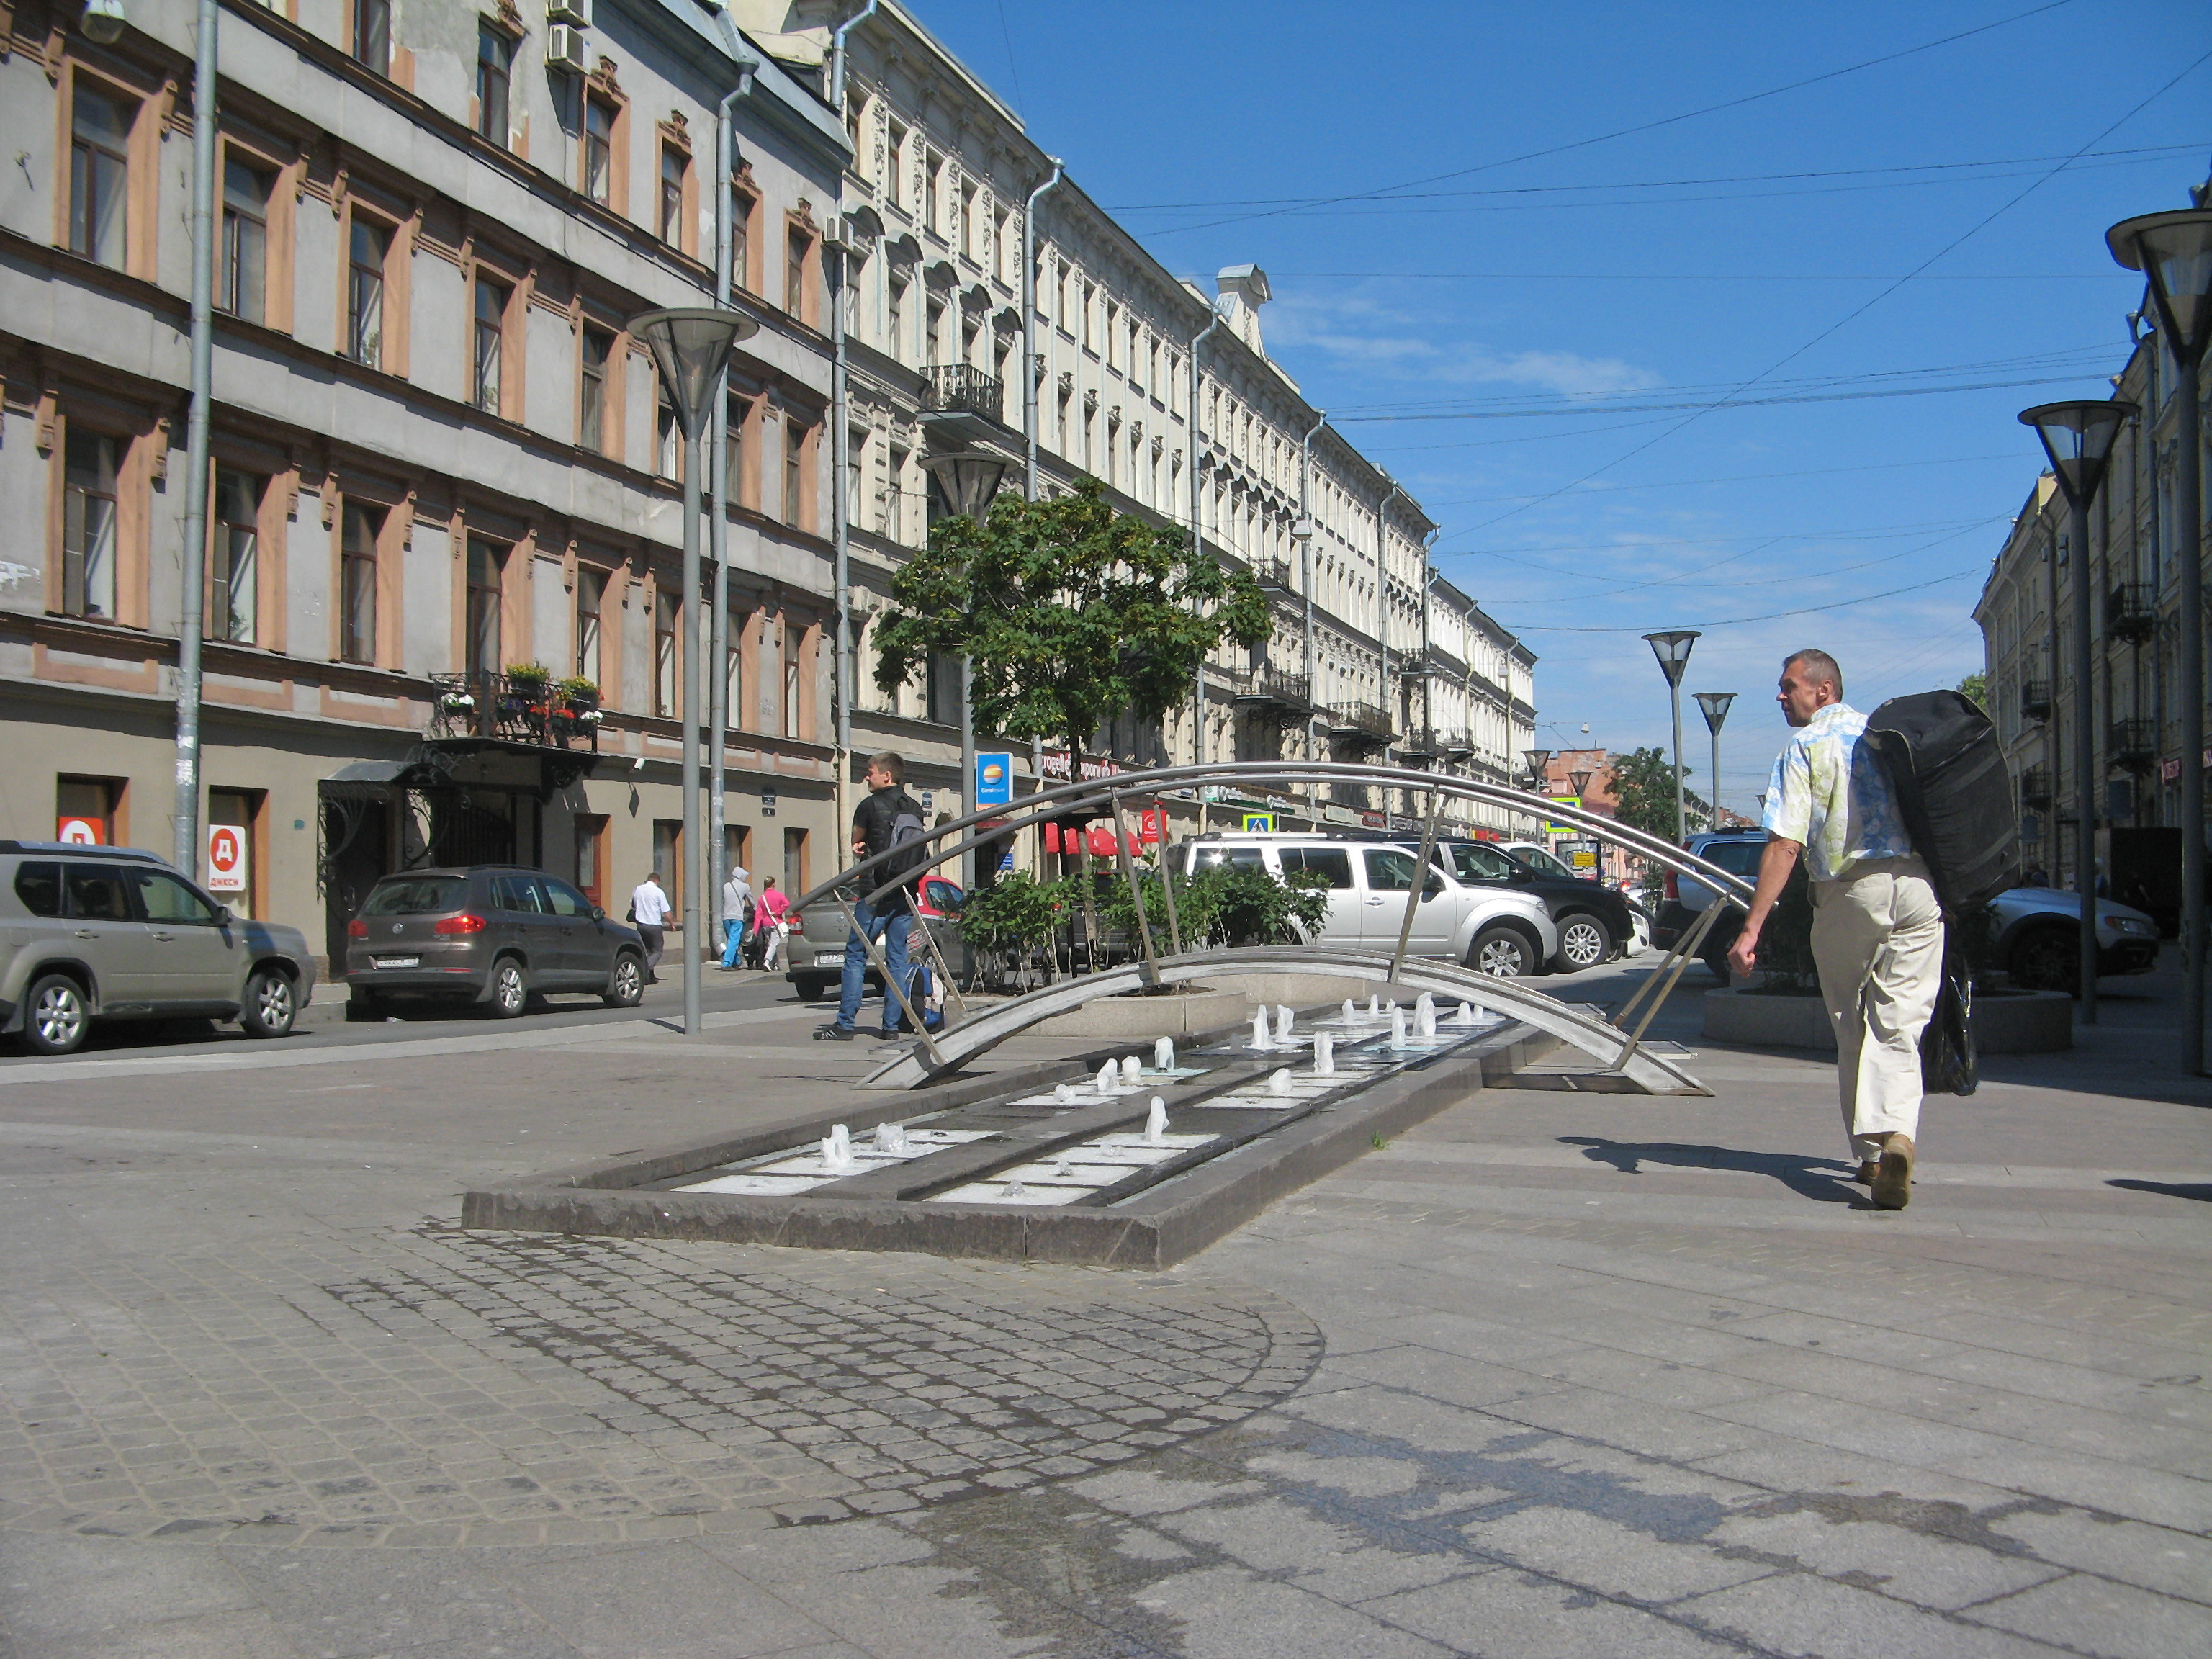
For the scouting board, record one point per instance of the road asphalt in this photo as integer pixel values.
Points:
(1559, 1372)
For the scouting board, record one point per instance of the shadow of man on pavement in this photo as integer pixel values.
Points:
(1822, 1178)
(2199, 1190)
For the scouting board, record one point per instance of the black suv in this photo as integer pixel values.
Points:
(495, 934)
(1593, 921)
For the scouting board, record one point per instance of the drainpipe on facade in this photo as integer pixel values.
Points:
(718, 644)
(1428, 667)
(1383, 619)
(1198, 546)
(838, 55)
(1306, 577)
(1028, 338)
(184, 845)
(841, 674)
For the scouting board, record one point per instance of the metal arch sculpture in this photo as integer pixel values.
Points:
(1613, 1048)
(1109, 794)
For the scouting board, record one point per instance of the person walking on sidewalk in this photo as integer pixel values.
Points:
(648, 913)
(737, 905)
(771, 922)
(889, 817)
(1877, 925)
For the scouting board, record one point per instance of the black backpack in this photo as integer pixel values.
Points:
(909, 854)
(1954, 792)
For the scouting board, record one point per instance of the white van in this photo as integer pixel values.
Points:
(1504, 932)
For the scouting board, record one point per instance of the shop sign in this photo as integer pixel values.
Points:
(1399, 821)
(226, 858)
(1374, 820)
(1055, 766)
(81, 832)
(1332, 813)
(1152, 825)
(994, 779)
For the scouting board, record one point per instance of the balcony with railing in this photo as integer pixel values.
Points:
(505, 708)
(2035, 786)
(960, 389)
(2035, 700)
(1274, 574)
(2132, 744)
(1365, 723)
(1418, 747)
(1277, 691)
(2131, 612)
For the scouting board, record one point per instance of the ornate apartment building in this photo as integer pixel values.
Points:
(438, 455)
(2027, 611)
(1122, 353)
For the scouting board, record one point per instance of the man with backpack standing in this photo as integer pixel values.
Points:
(1877, 925)
(888, 818)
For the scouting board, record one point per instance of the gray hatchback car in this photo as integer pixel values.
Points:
(98, 934)
(495, 934)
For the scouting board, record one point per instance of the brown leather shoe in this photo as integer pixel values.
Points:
(1865, 1176)
(1892, 1176)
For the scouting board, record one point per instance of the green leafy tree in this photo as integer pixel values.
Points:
(1976, 686)
(1069, 613)
(1643, 787)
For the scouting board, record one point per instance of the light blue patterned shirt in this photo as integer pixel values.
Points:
(1829, 794)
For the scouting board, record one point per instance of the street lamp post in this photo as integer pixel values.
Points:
(969, 478)
(690, 348)
(1578, 781)
(1715, 706)
(2173, 251)
(2078, 437)
(1539, 762)
(1672, 650)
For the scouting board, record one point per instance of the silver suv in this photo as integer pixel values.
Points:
(1503, 932)
(113, 933)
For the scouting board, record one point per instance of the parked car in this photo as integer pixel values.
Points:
(495, 934)
(113, 934)
(1493, 926)
(816, 949)
(1594, 923)
(2036, 929)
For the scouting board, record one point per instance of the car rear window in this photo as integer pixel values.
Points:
(1334, 863)
(1738, 858)
(1481, 863)
(417, 896)
(40, 886)
(1242, 858)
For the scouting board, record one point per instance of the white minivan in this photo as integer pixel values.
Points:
(1503, 932)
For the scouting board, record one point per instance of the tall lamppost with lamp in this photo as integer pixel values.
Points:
(2173, 251)
(1715, 706)
(969, 478)
(2078, 437)
(1672, 650)
(1578, 781)
(1537, 761)
(690, 348)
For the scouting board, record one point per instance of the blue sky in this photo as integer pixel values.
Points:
(1524, 342)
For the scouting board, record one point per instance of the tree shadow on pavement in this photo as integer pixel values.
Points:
(2199, 1190)
(1822, 1178)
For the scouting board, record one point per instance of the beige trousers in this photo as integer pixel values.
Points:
(1878, 942)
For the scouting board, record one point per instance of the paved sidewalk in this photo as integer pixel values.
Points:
(1558, 1373)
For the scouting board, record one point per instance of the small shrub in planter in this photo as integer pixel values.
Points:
(578, 693)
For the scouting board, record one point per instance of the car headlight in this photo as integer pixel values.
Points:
(2138, 926)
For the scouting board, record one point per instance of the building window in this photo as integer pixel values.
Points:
(491, 338)
(1090, 305)
(599, 151)
(792, 640)
(664, 655)
(794, 474)
(368, 246)
(357, 583)
(667, 436)
(674, 164)
(100, 173)
(372, 34)
(895, 319)
(856, 459)
(933, 336)
(895, 154)
(244, 241)
(934, 179)
(487, 563)
(743, 206)
(91, 463)
(596, 350)
(494, 70)
(232, 569)
(734, 449)
(794, 273)
(591, 593)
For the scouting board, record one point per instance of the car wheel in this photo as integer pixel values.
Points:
(812, 990)
(626, 988)
(1502, 952)
(270, 1007)
(366, 1007)
(55, 1015)
(2045, 959)
(510, 993)
(1584, 942)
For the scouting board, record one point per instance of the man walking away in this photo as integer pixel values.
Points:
(1877, 927)
(737, 904)
(649, 910)
(889, 817)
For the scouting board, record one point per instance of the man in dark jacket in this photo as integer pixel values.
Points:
(889, 817)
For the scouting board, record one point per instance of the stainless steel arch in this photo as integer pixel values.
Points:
(962, 1042)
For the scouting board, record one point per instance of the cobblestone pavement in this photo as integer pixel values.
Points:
(1603, 1375)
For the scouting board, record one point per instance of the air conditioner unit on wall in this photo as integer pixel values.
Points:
(578, 12)
(564, 48)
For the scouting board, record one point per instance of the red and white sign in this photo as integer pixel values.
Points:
(81, 832)
(226, 858)
(1150, 823)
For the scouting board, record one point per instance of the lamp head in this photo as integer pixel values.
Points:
(1671, 649)
(2173, 251)
(1580, 781)
(103, 21)
(689, 348)
(969, 477)
(2078, 437)
(1716, 706)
